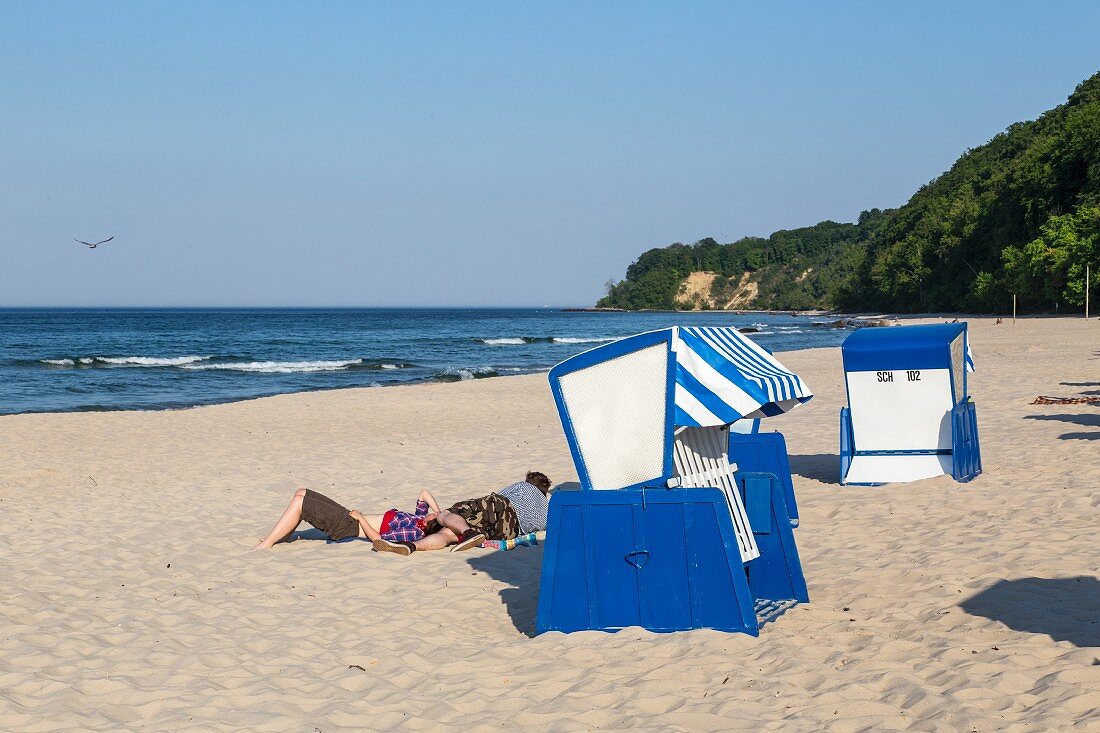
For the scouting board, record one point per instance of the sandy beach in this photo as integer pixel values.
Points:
(132, 603)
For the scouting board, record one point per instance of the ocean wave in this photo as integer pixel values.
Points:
(462, 374)
(522, 340)
(150, 361)
(234, 363)
(126, 361)
(382, 364)
(277, 367)
(581, 339)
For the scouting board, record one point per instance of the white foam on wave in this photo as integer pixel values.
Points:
(391, 366)
(148, 361)
(469, 373)
(580, 339)
(277, 367)
(134, 361)
(504, 341)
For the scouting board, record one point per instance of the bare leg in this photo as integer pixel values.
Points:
(453, 522)
(287, 523)
(437, 541)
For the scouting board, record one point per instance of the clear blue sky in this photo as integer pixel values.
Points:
(367, 153)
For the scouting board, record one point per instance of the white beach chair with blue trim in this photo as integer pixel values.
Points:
(909, 413)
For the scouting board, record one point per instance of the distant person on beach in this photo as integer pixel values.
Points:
(341, 523)
(503, 515)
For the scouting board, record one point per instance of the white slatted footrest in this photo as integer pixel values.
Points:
(701, 458)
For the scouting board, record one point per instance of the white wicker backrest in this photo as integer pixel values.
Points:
(617, 410)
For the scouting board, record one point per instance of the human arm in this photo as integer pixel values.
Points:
(426, 496)
(370, 532)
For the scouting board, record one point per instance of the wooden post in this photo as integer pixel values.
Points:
(1014, 309)
(1086, 292)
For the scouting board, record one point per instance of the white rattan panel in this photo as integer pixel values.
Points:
(617, 409)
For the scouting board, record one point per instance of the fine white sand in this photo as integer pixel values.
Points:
(130, 601)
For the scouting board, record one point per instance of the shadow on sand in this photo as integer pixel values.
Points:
(307, 534)
(823, 467)
(1087, 420)
(1066, 609)
(519, 568)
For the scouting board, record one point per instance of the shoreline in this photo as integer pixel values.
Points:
(437, 381)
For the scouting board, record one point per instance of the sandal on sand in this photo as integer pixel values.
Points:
(470, 538)
(398, 548)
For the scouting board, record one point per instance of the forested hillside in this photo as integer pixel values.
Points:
(1020, 214)
(794, 269)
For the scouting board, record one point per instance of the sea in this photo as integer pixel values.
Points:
(65, 360)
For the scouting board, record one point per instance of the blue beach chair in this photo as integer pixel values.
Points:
(909, 413)
(666, 533)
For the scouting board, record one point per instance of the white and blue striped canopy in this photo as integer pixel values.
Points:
(722, 377)
(621, 403)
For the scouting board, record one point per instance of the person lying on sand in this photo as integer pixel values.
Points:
(340, 523)
(505, 514)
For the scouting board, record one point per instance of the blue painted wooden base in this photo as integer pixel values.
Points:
(665, 559)
(966, 454)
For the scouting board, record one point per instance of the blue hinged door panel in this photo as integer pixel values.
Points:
(662, 567)
(609, 544)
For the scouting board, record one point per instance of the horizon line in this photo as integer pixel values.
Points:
(295, 307)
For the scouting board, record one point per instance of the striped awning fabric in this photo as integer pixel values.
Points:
(722, 376)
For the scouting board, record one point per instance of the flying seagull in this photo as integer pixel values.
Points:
(93, 245)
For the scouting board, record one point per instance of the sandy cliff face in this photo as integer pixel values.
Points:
(710, 291)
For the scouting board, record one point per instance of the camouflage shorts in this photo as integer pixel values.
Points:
(491, 515)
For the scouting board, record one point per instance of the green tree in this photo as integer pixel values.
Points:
(1051, 267)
